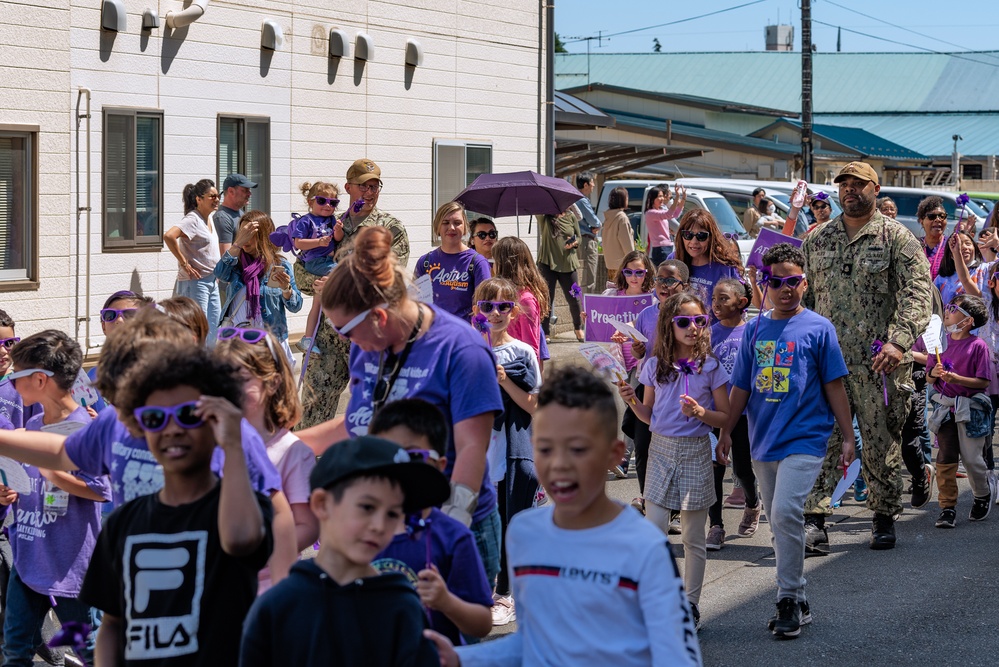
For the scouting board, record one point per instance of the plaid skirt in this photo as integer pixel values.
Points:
(679, 475)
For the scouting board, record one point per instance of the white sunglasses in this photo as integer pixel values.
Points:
(28, 371)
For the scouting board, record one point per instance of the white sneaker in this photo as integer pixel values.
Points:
(503, 610)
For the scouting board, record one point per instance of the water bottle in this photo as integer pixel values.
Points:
(798, 196)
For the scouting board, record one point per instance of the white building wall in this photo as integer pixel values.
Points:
(478, 82)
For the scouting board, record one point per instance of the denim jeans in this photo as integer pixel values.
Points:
(205, 292)
(488, 534)
(25, 614)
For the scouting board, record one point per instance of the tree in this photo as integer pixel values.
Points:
(656, 46)
(559, 46)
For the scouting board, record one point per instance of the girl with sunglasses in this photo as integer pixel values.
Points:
(962, 270)
(261, 283)
(482, 237)
(685, 397)
(118, 308)
(315, 236)
(709, 256)
(513, 261)
(194, 242)
(272, 406)
(510, 454)
(454, 268)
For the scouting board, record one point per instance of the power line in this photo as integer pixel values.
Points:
(662, 25)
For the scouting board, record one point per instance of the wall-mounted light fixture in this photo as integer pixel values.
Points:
(339, 43)
(414, 53)
(150, 19)
(271, 35)
(364, 47)
(113, 15)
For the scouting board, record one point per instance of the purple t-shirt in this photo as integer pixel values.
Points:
(105, 447)
(784, 373)
(667, 419)
(970, 357)
(646, 323)
(454, 278)
(311, 226)
(450, 367)
(453, 551)
(52, 543)
(704, 278)
(12, 408)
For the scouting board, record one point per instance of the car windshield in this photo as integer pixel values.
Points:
(724, 216)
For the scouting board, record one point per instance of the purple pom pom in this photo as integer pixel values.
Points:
(358, 205)
(575, 291)
(481, 323)
(686, 366)
(72, 634)
(876, 348)
(948, 365)
(962, 199)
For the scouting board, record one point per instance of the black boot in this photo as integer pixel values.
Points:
(816, 537)
(882, 532)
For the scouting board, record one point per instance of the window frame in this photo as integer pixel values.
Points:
(435, 239)
(31, 280)
(153, 243)
(265, 181)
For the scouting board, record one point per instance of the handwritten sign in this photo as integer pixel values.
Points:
(602, 311)
(603, 362)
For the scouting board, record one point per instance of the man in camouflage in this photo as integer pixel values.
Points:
(869, 276)
(364, 182)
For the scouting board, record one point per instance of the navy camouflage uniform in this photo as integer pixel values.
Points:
(875, 287)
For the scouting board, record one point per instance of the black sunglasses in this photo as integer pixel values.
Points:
(684, 321)
(690, 236)
(669, 282)
(486, 235)
(323, 201)
(486, 307)
(936, 216)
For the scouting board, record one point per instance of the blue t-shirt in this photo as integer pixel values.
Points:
(784, 373)
(450, 367)
(646, 323)
(105, 447)
(453, 551)
(667, 418)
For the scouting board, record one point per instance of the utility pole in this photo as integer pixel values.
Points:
(806, 89)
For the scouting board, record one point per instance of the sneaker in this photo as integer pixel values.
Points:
(922, 490)
(882, 532)
(696, 613)
(304, 343)
(816, 537)
(961, 472)
(674, 524)
(981, 508)
(750, 521)
(715, 539)
(619, 472)
(788, 623)
(638, 503)
(860, 490)
(803, 611)
(503, 610)
(737, 499)
(948, 517)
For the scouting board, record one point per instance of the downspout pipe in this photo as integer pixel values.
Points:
(550, 88)
(186, 16)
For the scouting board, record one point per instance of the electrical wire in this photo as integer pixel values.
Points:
(662, 25)
(920, 48)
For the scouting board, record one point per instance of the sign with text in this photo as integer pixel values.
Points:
(601, 311)
(766, 240)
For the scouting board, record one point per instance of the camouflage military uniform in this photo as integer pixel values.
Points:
(876, 287)
(400, 239)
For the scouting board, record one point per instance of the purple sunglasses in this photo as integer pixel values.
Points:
(154, 418)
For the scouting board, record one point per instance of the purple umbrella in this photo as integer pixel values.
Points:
(519, 192)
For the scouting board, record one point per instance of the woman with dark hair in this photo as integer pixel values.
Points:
(195, 243)
(887, 207)
(482, 237)
(962, 270)
(933, 218)
(660, 209)
(617, 237)
(558, 238)
(261, 282)
(404, 348)
(709, 256)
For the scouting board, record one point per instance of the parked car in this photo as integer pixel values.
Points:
(907, 200)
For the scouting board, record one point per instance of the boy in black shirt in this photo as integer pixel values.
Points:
(175, 572)
(338, 609)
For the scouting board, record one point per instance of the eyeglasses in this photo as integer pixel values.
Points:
(950, 308)
(775, 282)
(326, 201)
(936, 216)
(251, 336)
(350, 326)
(154, 418)
(210, 196)
(423, 455)
(669, 282)
(482, 236)
(690, 236)
(486, 307)
(8, 343)
(818, 206)
(112, 314)
(16, 375)
(364, 187)
(634, 273)
(684, 321)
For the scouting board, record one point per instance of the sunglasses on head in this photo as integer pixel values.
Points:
(326, 201)
(954, 308)
(357, 319)
(8, 343)
(154, 418)
(112, 314)
(775, 282)
(486, 307)
(482, 236)
(936, 216)
(684, 321)
(251, 336)
(669, 281)
(29, 371)
(634, 273)
(690, 236)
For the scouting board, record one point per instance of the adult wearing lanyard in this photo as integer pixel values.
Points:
(407, 349)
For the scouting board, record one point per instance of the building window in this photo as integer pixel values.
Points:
(456, 165)
(972, 171)
(133, 179)
(18, 209)
(245, 148)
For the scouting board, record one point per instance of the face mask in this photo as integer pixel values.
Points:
(953, 328)
(770, 210)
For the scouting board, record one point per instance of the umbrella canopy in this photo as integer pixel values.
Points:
(519, 192)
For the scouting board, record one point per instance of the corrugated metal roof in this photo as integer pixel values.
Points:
(930, 134)
(844, 83)
(574, 111)
(864, 142)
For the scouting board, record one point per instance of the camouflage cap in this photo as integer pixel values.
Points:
(363, 170)
(859, 170)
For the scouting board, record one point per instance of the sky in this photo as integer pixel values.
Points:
(966, 25)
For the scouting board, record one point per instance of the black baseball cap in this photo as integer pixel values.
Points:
(422, 484)
(237, 181)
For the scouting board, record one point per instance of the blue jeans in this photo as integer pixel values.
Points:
(205, 292)
(658, 254)
(488, 532)
(25, 614)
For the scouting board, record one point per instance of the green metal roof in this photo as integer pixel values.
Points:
(929, 134)
(844, 83)
(863, 142)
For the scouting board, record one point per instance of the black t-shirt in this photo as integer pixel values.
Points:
(162, 570)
